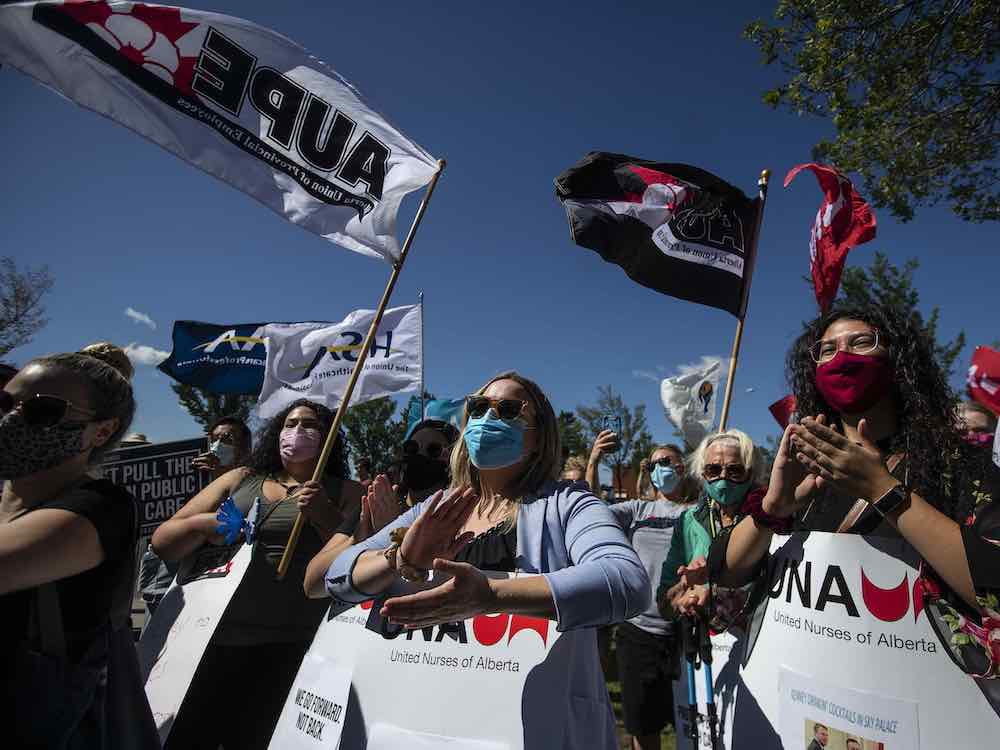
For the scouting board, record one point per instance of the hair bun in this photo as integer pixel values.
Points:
(111, 355)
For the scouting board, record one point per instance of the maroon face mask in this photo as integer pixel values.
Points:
(853, 383)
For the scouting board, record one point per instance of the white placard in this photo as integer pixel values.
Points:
(313, 716)
(511, 680)
(831, 715)
(841, 614)
(172, 644)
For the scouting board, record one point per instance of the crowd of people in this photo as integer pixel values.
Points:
(880, 446)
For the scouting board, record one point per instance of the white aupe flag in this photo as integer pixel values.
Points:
(239, 101)
(315, 360)
(690, 398)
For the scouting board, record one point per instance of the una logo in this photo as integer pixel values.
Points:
(488, 630)
(792, 578)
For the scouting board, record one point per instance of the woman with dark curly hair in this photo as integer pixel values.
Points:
(876, 451)
(256, 649)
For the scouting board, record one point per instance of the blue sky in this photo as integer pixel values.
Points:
(510, 94)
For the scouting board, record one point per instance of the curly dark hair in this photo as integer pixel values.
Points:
(266, 459)
(940, 466)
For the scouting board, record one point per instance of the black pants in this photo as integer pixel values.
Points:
(647, 667)
(236, 697)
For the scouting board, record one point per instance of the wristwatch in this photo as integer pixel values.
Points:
(891, 500)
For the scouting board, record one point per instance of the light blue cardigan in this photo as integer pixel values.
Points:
(564, 533)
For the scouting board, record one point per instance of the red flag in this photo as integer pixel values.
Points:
(984, 378)
(842, 221)
(783, 410)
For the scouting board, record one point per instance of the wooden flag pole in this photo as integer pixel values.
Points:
(324, 456)
(734, 356)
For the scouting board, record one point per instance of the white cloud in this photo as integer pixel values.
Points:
(140, 317)
(140, 354)
(751, 390)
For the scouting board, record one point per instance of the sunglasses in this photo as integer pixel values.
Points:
(41, 410)
(432, 450)
(506, 408)
(735, 472)
(664, 462)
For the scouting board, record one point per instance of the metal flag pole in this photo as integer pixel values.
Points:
(293, 537)
(734, 356)
(420, 298)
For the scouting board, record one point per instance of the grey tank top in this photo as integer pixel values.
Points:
(264, 609)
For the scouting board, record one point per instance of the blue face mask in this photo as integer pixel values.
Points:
(492, 442)
(725, 492)
(664, 478)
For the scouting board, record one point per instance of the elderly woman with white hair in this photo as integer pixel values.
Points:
(730, 469)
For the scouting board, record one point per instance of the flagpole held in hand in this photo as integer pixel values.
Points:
(734, 356)
(293, 537)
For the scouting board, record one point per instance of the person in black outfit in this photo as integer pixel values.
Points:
(67, 545)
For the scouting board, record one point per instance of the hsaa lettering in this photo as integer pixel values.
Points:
(226, 75)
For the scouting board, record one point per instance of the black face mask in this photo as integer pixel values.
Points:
(420, 472)
(26, 449)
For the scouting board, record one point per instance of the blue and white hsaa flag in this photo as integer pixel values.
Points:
(315, 360)
(690, 398)
(237, 100)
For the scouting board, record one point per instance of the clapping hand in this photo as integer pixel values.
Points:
(791, 485)
(468, 593)
(379, 507)
(856, 469)
(435, 532)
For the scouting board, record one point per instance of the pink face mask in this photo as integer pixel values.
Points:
(298, 444)
(979, 439)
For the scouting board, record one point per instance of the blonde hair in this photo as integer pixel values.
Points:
(575, 463)
(543, 464)
(749, 455)
(111, 355)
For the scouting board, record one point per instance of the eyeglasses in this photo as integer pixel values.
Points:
(665, 462)
(42, 410)
(855, 342)
(735, 472)
(506, 408)
(431, 450)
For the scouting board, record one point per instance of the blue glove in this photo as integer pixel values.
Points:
(231, 522)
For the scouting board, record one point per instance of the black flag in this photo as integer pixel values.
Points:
(672, 227)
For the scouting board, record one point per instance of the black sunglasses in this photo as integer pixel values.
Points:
(433, 450)
(41, 410)
(506, 408)
(663, 462)
(735, 472)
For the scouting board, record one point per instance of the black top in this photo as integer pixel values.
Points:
(86, 599)
(494, 549)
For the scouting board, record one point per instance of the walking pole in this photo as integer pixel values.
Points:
(420, 297)
(690, 645)
(705, 651)
(331, 438)
(734, 356)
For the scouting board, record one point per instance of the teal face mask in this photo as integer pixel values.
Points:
(493, 443)
(665, 478)
(725, 492)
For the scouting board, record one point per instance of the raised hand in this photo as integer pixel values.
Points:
(856, 469)
(468, 593)
(379, 507)
(791, 485)
(606, 442)
(435, 532)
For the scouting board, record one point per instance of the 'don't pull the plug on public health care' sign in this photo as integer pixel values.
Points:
(160, 477)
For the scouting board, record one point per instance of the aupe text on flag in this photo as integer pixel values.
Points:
(237, 100)
(315, 360)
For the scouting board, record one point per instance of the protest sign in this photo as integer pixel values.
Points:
(315, 360)
(497, 682)
(160, 478)
(172, 644)
(842, 626)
